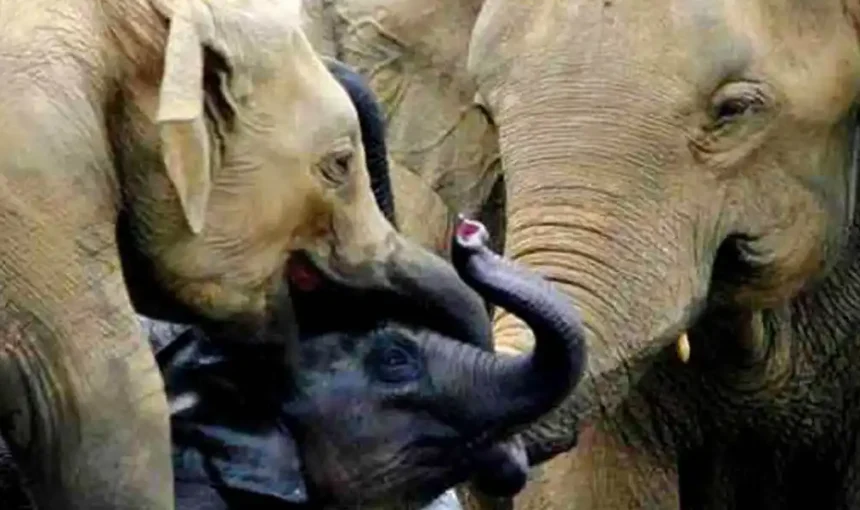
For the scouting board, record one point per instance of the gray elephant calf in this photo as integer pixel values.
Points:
(381, 414)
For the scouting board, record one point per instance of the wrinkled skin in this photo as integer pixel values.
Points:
(683, 166)
(216, 139)
(443, 151)
(380, 413)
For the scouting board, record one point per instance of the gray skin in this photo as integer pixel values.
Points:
(675, 165)
(380, 414)
(221, 137)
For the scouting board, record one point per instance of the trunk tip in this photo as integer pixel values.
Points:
(471, 233)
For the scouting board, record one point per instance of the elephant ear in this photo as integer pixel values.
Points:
(185, 141)
(225, 430)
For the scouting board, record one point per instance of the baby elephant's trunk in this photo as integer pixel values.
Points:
(504, 392)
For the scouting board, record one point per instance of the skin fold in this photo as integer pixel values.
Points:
(675, 166)
(197, 142)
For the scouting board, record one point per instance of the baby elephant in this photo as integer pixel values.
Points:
(382, 414)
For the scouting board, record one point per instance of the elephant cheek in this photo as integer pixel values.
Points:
(222, 303)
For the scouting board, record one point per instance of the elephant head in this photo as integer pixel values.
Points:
(381, 411)
(264, 150)
(680, 168)
(260, 152)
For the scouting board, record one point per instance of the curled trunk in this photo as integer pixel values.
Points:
(491, 395)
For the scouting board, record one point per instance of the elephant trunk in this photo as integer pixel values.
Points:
(592, 207)
(503, 393)
(372, 123)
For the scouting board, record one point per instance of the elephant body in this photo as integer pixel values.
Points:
(676, 167)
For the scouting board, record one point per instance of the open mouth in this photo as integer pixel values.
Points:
(718, 314)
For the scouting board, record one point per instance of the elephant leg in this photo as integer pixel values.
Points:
(81, 397)
(603, 471)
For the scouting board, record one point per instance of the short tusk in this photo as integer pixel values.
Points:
(683, 347)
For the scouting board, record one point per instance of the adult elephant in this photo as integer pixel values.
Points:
(222, 140)
(676, 166)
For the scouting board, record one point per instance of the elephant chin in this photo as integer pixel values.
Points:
(501, 470)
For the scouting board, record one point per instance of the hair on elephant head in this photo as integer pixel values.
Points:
(379, 412)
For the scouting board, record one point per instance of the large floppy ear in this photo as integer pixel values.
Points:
(182, 128)
(225, 432)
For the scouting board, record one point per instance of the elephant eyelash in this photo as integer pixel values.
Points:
(335, 167)
(735, 101)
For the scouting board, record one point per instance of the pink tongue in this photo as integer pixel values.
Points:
(302, 276)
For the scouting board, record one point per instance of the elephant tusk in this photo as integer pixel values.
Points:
(683, 347)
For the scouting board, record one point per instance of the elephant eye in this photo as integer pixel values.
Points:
(334, 168)
(736, 100)
(393, 363)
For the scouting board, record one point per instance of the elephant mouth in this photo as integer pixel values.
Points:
(732, 269)
(313, 289)
(324, 305)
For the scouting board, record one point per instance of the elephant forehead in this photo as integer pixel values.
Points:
(256, 34)
(311, 107)
(257, 19)
(333, 351)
